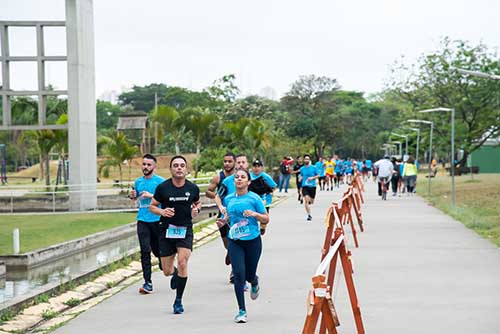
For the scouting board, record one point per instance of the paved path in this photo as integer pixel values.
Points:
(416, 271)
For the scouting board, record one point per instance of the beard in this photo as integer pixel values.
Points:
(147, 172)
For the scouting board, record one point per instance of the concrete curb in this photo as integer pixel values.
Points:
(35, 319)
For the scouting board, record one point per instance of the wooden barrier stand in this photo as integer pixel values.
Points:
(319, 299)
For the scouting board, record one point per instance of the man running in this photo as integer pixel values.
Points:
(177, 201)
(329, 167)
(308, 175)
(262, 183)
(215, 184)
(320, 166)
(296, 171)
(338, 169)
(147, 222)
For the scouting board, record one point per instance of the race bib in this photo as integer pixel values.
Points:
(240, 229)
(176, 232)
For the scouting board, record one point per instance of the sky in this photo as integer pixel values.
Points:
(267, 44)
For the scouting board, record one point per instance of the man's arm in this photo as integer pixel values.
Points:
(212, 187)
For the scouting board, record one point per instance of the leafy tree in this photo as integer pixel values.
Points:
(433, 82)
(117, 150)
(107, 115)
(170, 122)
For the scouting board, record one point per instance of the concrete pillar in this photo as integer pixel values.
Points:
(81, 104)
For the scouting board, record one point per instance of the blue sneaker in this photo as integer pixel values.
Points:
(254, 292)
(241, 317)
(146, 288)
(178, 308)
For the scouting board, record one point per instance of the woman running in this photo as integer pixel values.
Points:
(243, 212)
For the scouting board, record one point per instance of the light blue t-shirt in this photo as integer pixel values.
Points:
(228, 182)
(339, 166)
(306, 172)
(321, 168)
(348, 167)
(241, 227)
(142, 184)
(268, 198)
(368, 164)
(359, 165)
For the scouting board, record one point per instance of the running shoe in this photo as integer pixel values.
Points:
(178, 308)
(146, 288)
(173, 280)
(254, 292)
(309, 218)
(241, 317)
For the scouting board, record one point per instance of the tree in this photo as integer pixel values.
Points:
(198, 121)
(117, 150)
(433, 82)
(107, 115)
(170, 122)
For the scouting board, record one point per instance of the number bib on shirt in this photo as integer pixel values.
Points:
(240, 229)
(176, 232)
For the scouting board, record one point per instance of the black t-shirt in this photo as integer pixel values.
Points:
(296, 167)
(180, 199)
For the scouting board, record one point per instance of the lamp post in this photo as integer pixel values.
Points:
(400, 147)
(430, 149)
(402, 136)
(452, 148)
(418, 140)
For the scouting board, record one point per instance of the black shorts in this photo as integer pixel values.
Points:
(338, 174)
(322, 178)
(309, 191)
(168, 247)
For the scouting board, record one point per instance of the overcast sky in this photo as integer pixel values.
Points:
(266, 43)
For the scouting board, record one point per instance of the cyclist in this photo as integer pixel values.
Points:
(385, 168)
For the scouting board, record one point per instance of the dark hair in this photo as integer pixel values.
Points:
(246, 172)
(307, 155)
(149, 156)
(299, 156)
(177, 157)
(410, 160)
(241, 155)
(230, 154)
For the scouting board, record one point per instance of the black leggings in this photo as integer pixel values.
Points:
(148, 234)
(245, 255)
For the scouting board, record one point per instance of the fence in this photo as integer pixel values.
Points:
(320, 306)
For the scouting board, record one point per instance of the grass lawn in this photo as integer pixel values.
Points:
(477, 201)
(38, 231)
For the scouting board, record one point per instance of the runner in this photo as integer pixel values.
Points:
(320, 166)
(227, 188)
(285, 172)
(245, 210)
(296, 171)
(215, 184)
(147, 222)
(329, 170)
(338, 169)
(180, 202)
(262, 183)
(364, 171)
(348, 170)
(368, 163)
(308, 174)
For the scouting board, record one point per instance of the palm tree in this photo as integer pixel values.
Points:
(169, 122)
(45, 140)
(258, 136)
(198, 121)
(117, 150)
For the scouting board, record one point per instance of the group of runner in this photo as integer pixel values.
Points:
(400, 175)
(165, 228)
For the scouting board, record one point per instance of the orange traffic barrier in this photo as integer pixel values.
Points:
(320, 304)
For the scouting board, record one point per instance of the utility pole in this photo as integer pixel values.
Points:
(156, 123)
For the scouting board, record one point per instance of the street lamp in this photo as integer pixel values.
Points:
(430, 149)
(402, 136)
(418, 139)
(400, 147)
(452, 148)
(478, 74)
